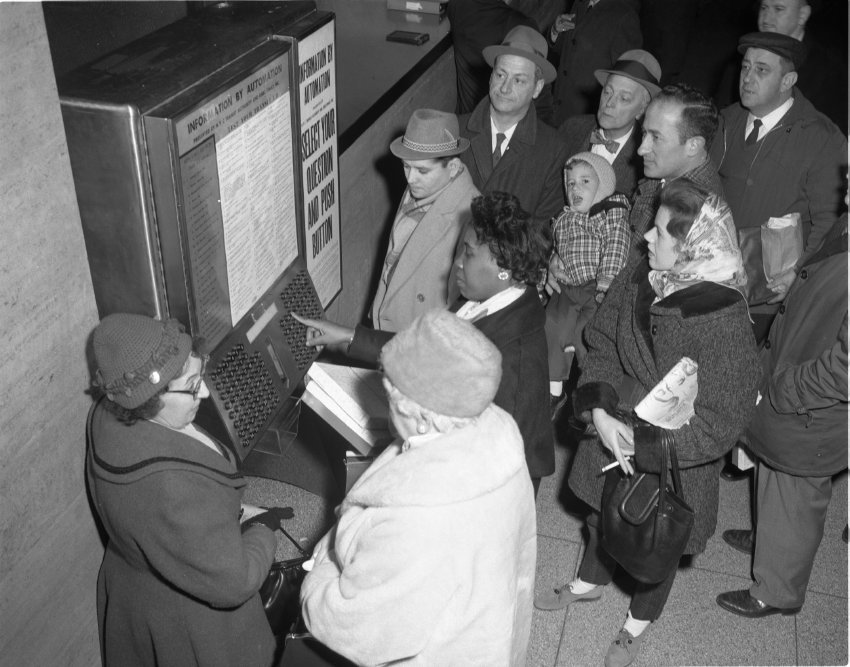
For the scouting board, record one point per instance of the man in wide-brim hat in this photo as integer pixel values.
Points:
(428, 222)
(614, 132)
(511, 149)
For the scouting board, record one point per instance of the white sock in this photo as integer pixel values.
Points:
(580, 587)
(633, 626)
(556, 388)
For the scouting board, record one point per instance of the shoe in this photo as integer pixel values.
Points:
(844, 533)
(556, 404)
(744, 604)
(623, 649)
(732, 473)
(559, 598)
(742, 540)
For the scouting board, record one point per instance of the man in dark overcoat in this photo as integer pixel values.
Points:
(614, 132)
(798, 434)
(511, 149)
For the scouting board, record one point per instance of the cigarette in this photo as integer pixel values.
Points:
(613, 465)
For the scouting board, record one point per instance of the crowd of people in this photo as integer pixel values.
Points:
(544, 259)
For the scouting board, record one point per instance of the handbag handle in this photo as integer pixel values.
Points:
(668, 451)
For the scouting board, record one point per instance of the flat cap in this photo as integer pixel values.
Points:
(782, 45)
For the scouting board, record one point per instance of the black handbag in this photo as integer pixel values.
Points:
(281, 590)
(646, 523)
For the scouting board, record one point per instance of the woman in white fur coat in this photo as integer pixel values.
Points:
(432, 559)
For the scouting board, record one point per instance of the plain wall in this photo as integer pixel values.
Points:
(49, 547)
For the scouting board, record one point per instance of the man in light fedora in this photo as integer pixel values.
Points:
(428, 223)
(511, 149)
(614, 133)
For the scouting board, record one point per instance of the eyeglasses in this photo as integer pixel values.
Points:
(194, 391)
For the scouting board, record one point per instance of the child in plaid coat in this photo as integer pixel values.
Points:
(591, 246)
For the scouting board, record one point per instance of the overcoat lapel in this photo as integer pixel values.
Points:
(436, 223)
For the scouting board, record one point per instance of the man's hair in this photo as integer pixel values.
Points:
(700, 117)
(684, 199)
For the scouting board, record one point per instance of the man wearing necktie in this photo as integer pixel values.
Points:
(777, 155)
(614, 132)
(511, 149)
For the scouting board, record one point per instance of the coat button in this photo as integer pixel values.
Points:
(767, 345)
(782, 309)
(804, 274)
(654, 329)
(420, 298)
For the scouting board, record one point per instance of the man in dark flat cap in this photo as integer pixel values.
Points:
(776, 155)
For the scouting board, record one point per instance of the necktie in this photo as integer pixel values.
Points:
(753, 136)
(497, 152)
(610, 145)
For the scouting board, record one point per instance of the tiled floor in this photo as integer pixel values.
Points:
(693, 630)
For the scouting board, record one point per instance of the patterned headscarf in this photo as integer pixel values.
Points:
(709, 252)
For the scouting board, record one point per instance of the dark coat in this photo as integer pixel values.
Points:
(800, 425)
(644, 205)
(531, 169)
(179, 581)
(517, 330)
(628, 165)
(632, 344)
(602, 34)
(800, 165)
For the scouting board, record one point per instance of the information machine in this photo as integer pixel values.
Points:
(204, 158)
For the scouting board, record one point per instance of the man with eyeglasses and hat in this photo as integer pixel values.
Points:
(415, 276)
(511, 150)
(614, 132)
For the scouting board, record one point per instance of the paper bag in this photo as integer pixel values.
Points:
(782, 244)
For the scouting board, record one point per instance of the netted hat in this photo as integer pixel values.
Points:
(604, 172)
(444, 364)
(137, 356)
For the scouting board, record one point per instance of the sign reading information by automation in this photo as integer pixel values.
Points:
(317, 87)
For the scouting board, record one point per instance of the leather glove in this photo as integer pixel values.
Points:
(271, 518)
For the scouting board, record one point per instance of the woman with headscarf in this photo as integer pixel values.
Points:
(683, 300)
(180, 578)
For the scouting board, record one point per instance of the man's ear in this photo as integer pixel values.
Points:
(803, 16)
(788, 81)
(454, 166)
(538, 88)
(694, 146)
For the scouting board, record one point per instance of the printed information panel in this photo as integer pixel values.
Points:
(239, 195)
(317, 86)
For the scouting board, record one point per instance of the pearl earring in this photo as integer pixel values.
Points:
(421, 428)
(503, 275)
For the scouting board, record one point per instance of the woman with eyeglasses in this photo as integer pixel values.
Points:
(180, 578)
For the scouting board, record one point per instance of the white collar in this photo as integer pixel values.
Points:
(508, 134)
(473, 310)
(600, 150)
(770, 120)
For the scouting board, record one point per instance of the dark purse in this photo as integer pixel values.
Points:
(281, 590)
(646, 523)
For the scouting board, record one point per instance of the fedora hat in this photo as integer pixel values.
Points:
(430, 134)
(524, 42)
(637, 65)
